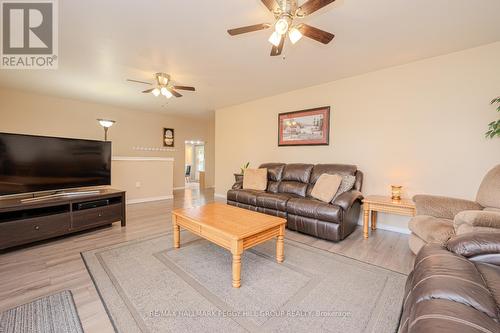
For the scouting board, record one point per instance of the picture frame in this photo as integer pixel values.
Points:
(168, 137)
(309, 127)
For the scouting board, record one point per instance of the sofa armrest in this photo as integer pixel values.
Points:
(443, 207)
(346, 199)
(238, 185)
(475, 244)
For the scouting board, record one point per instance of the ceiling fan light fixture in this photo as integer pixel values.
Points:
(295, 35)
(275, 39)
(156, 92)
(281, 26)
(165, 92)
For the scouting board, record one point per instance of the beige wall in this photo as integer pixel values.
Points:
(22, 112)
(420, 125)
(144, 179)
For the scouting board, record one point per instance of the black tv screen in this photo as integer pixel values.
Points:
(31, 163)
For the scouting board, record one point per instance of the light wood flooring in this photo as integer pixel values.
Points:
(45, 268)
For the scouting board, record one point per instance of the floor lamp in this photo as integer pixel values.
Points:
(106, 124)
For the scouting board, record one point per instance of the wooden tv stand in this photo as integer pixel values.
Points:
(26, 222)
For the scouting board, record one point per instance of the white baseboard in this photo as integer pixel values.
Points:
(218, 195)
(393, 228)
(150, 199)
(184, 187)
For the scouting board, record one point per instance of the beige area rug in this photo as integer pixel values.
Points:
(50, 314)
(148, 286)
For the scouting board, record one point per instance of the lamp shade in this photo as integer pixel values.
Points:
(106, 123)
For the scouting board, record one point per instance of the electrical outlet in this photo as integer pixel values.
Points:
(137, 184)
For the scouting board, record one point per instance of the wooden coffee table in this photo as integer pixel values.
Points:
(232, 228)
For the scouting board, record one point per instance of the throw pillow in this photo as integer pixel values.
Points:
(326, 186)
(346, 185)
(255, 179)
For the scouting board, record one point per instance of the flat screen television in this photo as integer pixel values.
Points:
(30, 163)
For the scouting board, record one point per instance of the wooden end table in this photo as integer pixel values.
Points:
(373, 204)
(235, 229)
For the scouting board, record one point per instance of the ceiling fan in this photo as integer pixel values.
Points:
(285, 12)
(163, 86)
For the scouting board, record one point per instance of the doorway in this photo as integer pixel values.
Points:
(194, 164)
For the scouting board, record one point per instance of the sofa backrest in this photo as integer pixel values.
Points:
(274, 175)
(295, 179)
(489, 191)
(340, 169)
(299, 178)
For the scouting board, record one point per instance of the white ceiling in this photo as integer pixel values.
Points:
(104, 42)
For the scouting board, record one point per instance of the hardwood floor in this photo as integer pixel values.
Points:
(44, 268)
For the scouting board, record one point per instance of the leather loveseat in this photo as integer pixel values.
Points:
(288, 195)
(455, 288)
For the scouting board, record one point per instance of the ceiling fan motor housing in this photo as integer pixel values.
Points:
(288, 7)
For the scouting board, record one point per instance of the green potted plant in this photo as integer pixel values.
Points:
(494, 126)
(239, 176)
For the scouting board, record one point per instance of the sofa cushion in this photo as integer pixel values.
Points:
(293, 187)
(314, 209)
(274, 170)
(477, 218)
(326, 186)
(491, 276)
(297, 172)
(275, 201)
(255, 179)
(489, 190)
(474, 244)
(248, 197)
(314, 227)
(431, 229)
(331, 169)
(346, 185)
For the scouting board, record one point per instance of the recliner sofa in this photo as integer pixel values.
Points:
(439, 218)
(288, 195)
(454, 287)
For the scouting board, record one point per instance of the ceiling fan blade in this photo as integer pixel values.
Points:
(272, 5)
(184, 88)
(315, 33)
(250, 28)
(313, 5)
(137, 81)
(148, 91)
(175, 93)
(276, 50)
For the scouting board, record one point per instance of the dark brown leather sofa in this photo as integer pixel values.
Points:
(288, 195)
(456, 288)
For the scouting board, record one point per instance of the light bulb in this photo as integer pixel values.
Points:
(295, 35)
(165, 92)
(281, 26)
(156, 92)
(275, 39)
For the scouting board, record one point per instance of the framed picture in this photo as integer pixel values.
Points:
(168, 137)
(304, 128)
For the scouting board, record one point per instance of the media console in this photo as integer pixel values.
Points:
(26, 222)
